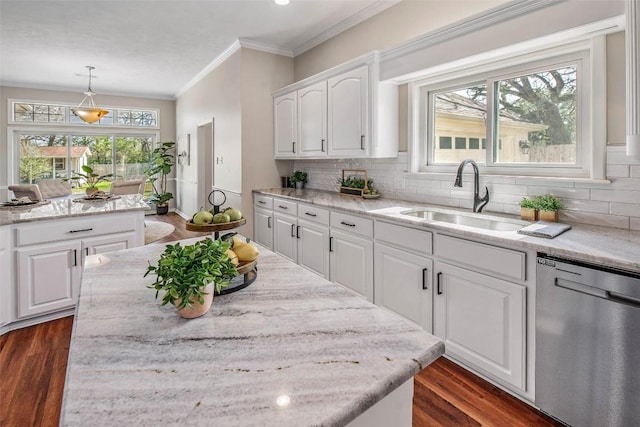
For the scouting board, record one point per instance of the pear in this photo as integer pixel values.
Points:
(246, 252)
(238, 241)
(233, 257)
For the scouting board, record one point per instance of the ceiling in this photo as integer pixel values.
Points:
(155, 48)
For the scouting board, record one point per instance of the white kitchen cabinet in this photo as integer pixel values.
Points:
(482, 321)
(285, 125)
(6, 310)
(100, 245)
(263, 228)
(312, 120)
(403, 283)
(48, 277)
(351, 262)
(313, 247)
(284, 236)
(348, 113)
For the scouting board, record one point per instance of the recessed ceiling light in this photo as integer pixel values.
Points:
(282, 2)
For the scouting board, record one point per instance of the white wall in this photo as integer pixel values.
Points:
(167, 129)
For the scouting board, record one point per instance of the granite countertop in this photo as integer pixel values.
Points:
(612, 247)
(67, 207)
(133, 362)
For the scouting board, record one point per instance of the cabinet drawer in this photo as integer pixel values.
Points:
(501, 262)
(352, 224)
(285, 206)
(76, 228)
(312, 213)
(263, 201)
(405, 237)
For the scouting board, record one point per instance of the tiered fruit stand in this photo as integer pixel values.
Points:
(247, 271)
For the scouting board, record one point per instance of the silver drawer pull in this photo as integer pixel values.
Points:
(80, 231)
(282, 207)
(262, 202)
(347, 224)
(310, 214)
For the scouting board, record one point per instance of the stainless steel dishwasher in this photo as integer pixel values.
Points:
(587, 343)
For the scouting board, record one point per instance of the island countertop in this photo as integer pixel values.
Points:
(290, 333)
(70, 207)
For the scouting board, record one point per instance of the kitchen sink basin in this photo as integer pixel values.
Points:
(467, 220)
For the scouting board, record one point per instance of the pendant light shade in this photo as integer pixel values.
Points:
(89, 112)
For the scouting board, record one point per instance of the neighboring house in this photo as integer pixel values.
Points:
(460, 131)
(55, 165)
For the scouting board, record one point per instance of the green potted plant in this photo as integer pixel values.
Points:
(160, 164)
(548, 207)
(528, 209)
(90, 178)
(299, 179)
(189, 275)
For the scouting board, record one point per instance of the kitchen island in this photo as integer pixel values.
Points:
(292, 349)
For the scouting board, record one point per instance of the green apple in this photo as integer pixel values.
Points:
(234, 214)
(221, 218)
(203, 217)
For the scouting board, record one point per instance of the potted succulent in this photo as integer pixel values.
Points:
(189, 275)
(90, 178)
(548, 207)
(528, 209)
(160, 164)
(299, 179)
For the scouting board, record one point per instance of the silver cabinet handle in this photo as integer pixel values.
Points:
(283, 207)
(75, 258)
(268, 222)
(293, 227)
(439, 290)
(297, 232)
(331, 244)
(262, 202)
(322, 145)
(310, 214)
(293, 144)
(362, 142)
(347, 224)
(424, 278)
(80, 231)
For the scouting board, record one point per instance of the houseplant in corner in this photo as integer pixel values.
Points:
(160, 164)
(90, 178)
(190, 274)
(548, 207)
(299, 179)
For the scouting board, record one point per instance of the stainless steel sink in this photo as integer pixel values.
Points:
(466, 220)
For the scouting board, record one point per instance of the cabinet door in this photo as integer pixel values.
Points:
(284, 119)
(351, 262)
(313, 247)
(284, 236)
(6, 284)
(263, 229)
(348, 109)
(403, 283)
(312, 120)
(100, 245)
(48, 277)
(481, 319)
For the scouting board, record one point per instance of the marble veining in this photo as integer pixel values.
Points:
(66, 207)
(290, 333)
(613, 247)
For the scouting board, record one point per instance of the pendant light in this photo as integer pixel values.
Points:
(89, 113)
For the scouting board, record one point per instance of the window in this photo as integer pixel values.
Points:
(532, 118)
(44, 156)
(41, 113)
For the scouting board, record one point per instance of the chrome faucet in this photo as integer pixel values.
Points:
(478, 203)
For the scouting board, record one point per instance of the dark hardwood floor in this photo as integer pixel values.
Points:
(33, 364)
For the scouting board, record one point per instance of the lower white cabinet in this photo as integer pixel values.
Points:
(284, 236)
(481, 319)
(403, 283)
(263, 227)
(100, 245)
(48, 277)
(6, 311)
(351, 262)
(313, 247)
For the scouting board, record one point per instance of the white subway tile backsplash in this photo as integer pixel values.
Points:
(615, 204)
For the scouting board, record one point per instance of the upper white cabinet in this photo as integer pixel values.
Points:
(344, 112)
(348, 103)
(285, 109)
(312, 120)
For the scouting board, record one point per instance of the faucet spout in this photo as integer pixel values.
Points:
(478, 202)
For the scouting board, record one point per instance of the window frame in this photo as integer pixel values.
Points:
(590, 106)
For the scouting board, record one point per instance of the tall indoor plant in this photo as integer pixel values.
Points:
(160, 164)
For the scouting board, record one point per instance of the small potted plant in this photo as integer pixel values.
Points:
(90, 178)
(548, 207)
(189, 275)
(528, 209)
(299, 179)
(160, 164)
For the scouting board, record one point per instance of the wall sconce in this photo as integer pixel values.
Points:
(524, 146)
(184, 157)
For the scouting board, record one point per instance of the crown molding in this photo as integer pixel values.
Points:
(209, 68)
(345, 24)
(482, 20)
(264, 47)
(79, 92)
